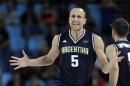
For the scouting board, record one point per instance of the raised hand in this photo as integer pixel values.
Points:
(119, 58)
(19, 62)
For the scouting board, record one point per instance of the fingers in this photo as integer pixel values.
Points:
(17, 67)
(13, 61)
(118, 53)
(13, 57)
(120, 58)
(14, 64)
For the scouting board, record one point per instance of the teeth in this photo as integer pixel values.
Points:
(75, 24)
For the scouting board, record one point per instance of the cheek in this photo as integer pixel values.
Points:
(82, 21)
(69, 21)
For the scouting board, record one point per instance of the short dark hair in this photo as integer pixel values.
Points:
(121, 27)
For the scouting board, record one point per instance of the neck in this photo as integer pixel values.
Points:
(77, 34)
(121, 38)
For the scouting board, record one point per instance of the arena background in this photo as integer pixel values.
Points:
(31, 25)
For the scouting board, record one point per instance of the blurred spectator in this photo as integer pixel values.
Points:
(3, 34)
(21, 7)
(4, 52)
(97, 80)
(47, 16)
(35, 81)
(108, 11)
(4, 46)
(95, 15)
(91, 26)
(16, 80)
(12, 18)
(62, 20)
(49, 74)
(3, 7)
(48, 22)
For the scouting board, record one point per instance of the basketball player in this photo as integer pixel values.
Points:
(120, 72)
(77, 49)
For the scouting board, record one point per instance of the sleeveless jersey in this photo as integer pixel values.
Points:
(124, 65)
(77, 59)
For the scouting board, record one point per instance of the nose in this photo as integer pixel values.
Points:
(75, 18)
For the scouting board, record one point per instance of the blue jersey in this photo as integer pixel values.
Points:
(77, 59)
(124, 65)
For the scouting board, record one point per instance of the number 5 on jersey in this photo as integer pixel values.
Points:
(74, 61)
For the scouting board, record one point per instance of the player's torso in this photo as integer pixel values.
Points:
(124, 65)
(77, 58)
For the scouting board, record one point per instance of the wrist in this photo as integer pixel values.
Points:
(27, 62)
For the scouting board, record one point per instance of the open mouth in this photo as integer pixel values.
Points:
(75, 23)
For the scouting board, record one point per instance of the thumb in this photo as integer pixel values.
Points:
(24, 54)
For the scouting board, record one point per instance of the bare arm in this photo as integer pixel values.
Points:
(40, 61)
(113, 74)
(49, 58)
(99, 48)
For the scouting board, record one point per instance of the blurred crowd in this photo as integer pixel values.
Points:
(30, 25)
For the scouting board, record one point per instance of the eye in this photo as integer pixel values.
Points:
(79, 16)
(73, 16)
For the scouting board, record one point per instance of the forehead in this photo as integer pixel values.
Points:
(77, 11)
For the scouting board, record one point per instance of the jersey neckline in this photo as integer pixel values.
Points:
(75, 41)
(121, 40)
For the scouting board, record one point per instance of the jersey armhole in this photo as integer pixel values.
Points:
(115, 47)
(59, 40)
(93, 41)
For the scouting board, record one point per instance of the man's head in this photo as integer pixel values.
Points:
(120, 27)
(77, 18)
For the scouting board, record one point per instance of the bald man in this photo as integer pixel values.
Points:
(77, 48)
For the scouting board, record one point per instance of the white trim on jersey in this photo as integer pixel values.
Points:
(115, 47)
(77, 39)
(93, 43)
(59, 39)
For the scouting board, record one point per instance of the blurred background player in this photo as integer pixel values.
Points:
(120, 73)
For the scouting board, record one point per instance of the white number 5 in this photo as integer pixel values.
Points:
(74, 61)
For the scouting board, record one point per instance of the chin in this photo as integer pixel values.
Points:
(77, 29)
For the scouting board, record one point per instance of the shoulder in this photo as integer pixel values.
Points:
(111, 52)
(110, 48)
(98, 42)
(56, 38)
(97, 39)
(55, 41)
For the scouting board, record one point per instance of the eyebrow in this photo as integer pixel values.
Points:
(79, 16)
